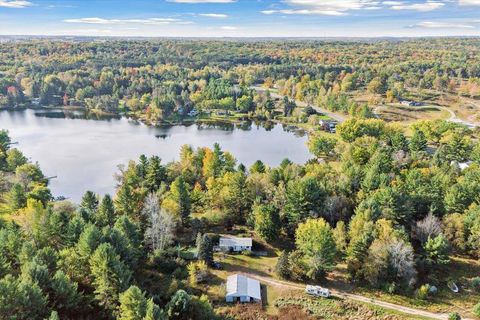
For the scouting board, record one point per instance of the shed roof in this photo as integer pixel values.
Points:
(238, 285)
(235, 242)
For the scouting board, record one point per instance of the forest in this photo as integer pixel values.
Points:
(394, 208)
(172, 80)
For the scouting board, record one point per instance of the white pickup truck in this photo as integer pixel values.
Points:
(317, 291)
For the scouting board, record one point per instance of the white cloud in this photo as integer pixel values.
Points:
(325, 7)
(202, 1)
(424, 6)
(469, 2)
(305, 12)
(230, 28)
(392, 3)
(440, 25)
(17, 4)
(214, 15)
(150, 21)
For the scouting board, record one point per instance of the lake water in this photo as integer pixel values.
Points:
(84, 153)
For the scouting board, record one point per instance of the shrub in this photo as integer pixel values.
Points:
(454, 316)
(422, 292)
(247, 253)
(390, 288)
(476, 310)
(476, 284)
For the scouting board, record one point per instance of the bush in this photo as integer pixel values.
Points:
(476, 310)
(390, 288)
(247, 253)
(423, 291)
(454, 316)
(476, 284)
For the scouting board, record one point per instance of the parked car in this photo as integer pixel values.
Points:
(317, 291)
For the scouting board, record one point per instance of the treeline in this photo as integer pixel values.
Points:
(158, 80)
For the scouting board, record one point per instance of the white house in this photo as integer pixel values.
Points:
(235, 244)
(242, 289)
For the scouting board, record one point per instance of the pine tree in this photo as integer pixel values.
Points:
(65, 294)
(180, 194)
(418, 142)
(106, 212)
(282, 269)
(90, 202)
(110, 276)
(16, 197)
(155, 174)
(124, 200)
(205, 250)
(133, 304)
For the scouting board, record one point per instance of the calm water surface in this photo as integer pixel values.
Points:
(84, 153)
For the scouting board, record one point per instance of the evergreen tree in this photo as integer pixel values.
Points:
(418, 142)
(437, 251)
(21, 299)
(155, 174)
(124, 200)
(282, 269)
(110, 276)
(130, 232)
(65, 296)
(180, 194)
(179, 305)
(106, 212)
(205, 250)
(16, 197)
(133, 304)
(90, 202)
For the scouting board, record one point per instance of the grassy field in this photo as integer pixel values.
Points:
(407, 115)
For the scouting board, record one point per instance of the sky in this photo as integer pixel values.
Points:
(241, 18)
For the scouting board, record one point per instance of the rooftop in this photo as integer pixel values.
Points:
(235, 242)
(238, 285)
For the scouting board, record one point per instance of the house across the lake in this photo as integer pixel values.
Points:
(235, 244)
(411, 103)
(242, 289)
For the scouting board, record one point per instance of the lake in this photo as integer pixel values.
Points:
(84, 153)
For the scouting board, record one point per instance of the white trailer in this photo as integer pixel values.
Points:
(317, 291)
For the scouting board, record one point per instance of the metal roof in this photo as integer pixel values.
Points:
(238, 285)
(235, 242)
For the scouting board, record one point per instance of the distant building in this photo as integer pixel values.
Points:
(462, 165)
(235, 244)
(411, 103)
(328, 125)
(193, 113)
(242, 289)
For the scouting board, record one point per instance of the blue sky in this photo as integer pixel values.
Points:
(241, 18)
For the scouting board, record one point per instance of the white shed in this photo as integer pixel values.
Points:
(235, 244)
(242, 289)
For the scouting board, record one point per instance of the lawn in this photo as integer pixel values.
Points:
(407, 115)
